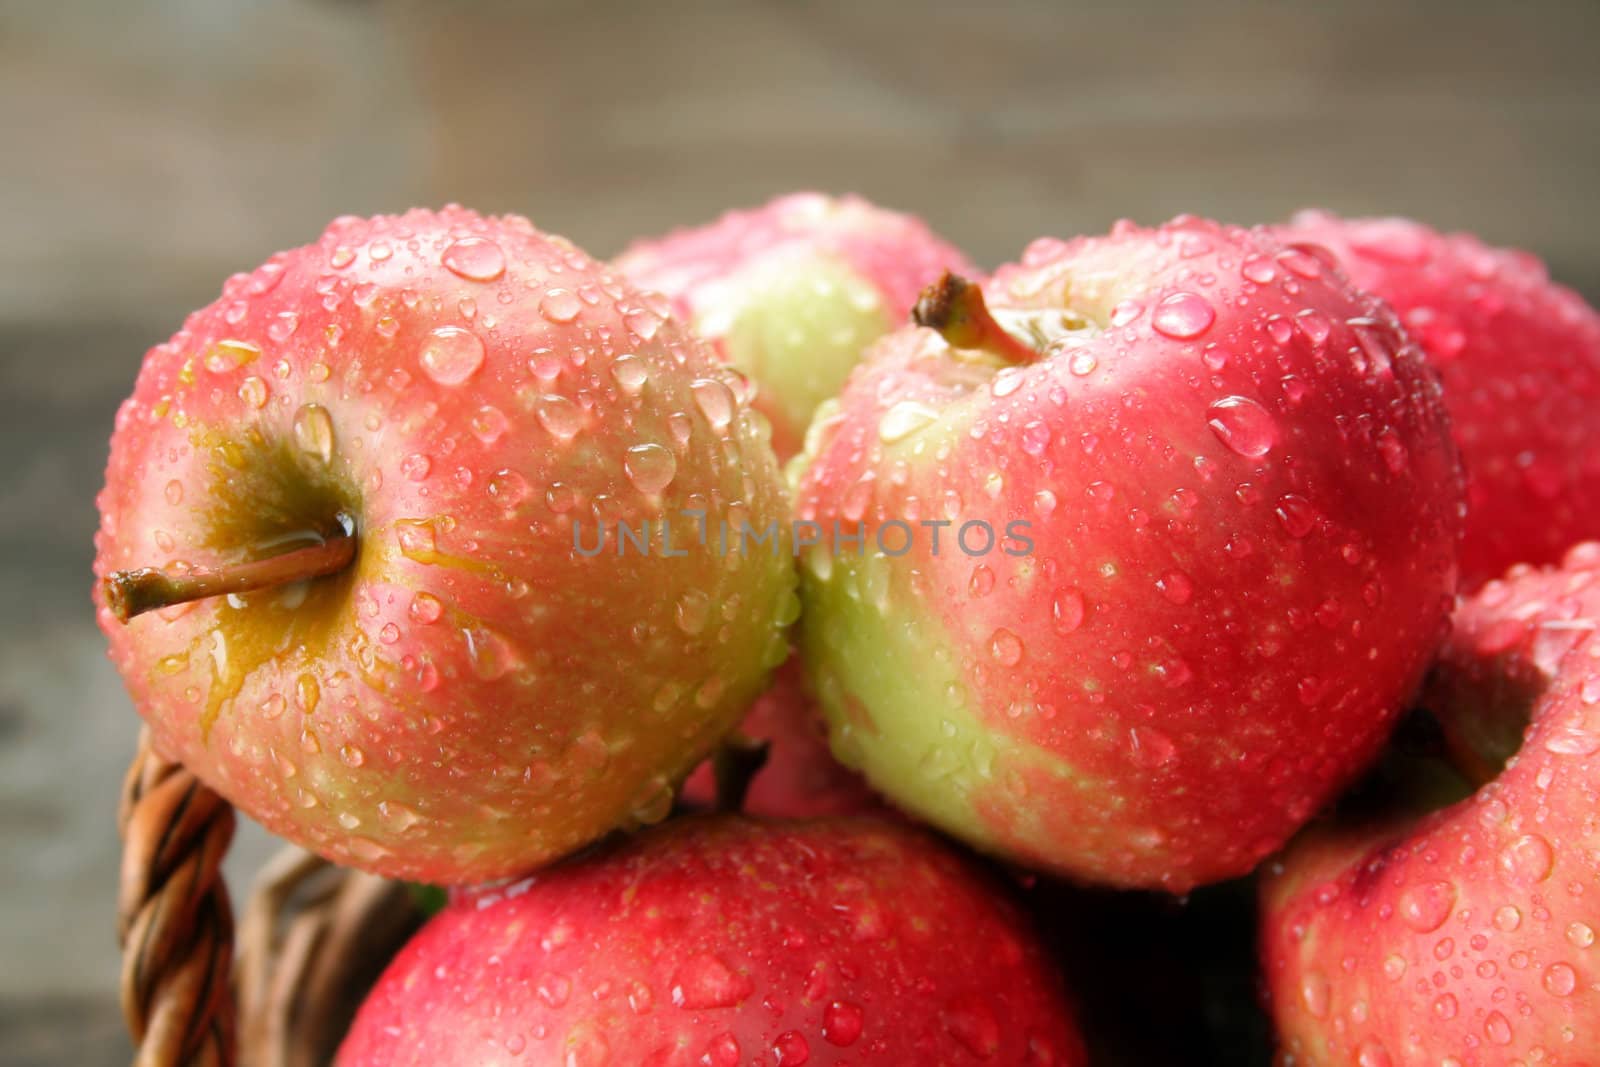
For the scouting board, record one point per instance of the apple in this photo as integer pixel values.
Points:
(798, 777)
(1467, 936)
(792, 292)
(1519, 359)
(1199, 512)
(359, 556)
(730, 942)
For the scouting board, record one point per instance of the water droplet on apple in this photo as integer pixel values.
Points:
(1314, 993)
(650, 467)
(560, 306)
(903, 419)
(253, 392)
(1068, 610)
(488, 424)
(1560, 979)
(842, 1023)
(476, 259)
(559, 416)
(1176, 587)
(1296, 514)
(1182, 316)
(704, 981)
(313, 431)
(1243, 425)
(416, 466)
(1527, 861)
(791, 1048)
(1006, 647)
(1497, 1028)
(715, 401)
(451, 355)
(630, 373)
(1425, 907)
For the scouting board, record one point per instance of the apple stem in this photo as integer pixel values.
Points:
(733, 767)
(134, 592)
(955, 308)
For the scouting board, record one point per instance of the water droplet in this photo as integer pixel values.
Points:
(715, 401)
(791, 1048)
(1176, 587)
(1314, 993)
(1446, 1006)
(253, 391)
(1527, 860)
(1507, 918)
(476, 259)
(488, 424)
(1296, 514)
(451, 355)
(560, 306)
(631, 373)
(1394, 967)
(905, 418)
(842, 1023)
(1571, 739)
(416, 466)
(1425, 907)
(705, 981)
(650, 467)
(1006, 647)
(313, 431)
(1182, 316)
(1392, 449)
(425, 608)
(1560, 979)
(1258, 268)
(1373, 1054)
(971, 1021)
(1068, 610)
(1580, 935)
(174, 492)
(554, 989)
(1035, 437)
(560, 416)
(1243, 425)
(1497, 1029)
(694, 609)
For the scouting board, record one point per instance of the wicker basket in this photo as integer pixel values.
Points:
(279, 993)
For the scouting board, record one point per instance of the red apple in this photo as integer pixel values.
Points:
(791, 293)
(1201, 511)
(733, 943)
(799, 778)
(394, 450)
(1519, 358)
(1466, 937)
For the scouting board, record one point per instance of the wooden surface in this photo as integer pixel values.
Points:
(150, 149)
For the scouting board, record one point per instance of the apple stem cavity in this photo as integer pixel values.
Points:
(955, 308)
(133, 592)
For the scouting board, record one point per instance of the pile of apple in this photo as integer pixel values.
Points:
(427, 545)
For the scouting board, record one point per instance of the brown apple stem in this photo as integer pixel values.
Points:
(954, 307)
(733, 767)
(134, 592)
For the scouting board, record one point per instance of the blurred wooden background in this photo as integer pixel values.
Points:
(150, 148)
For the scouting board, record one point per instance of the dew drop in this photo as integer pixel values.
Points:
(1527, 861)
(476, 259)
(1006, 647)
(1560, 979)
(1243, 425)
(715, 401)
(313, 431)
(253, 391)
(1425, 907)
(791, 1048)
(1296, 514)
(559, 416)
(842, 1023)
(425, 608)
(650, 467)
(1182, 316)
(1068, 610)
(560, 306)
(705, 981)
(451, 355)
(630, 373)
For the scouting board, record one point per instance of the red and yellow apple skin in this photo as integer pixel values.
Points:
(793, 292)
(730, 942)
(799, 779)
(1244, 509)
(1467, 937)
(1519, 359)
(475, 695)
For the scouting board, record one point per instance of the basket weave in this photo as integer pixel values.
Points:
(312, 940)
